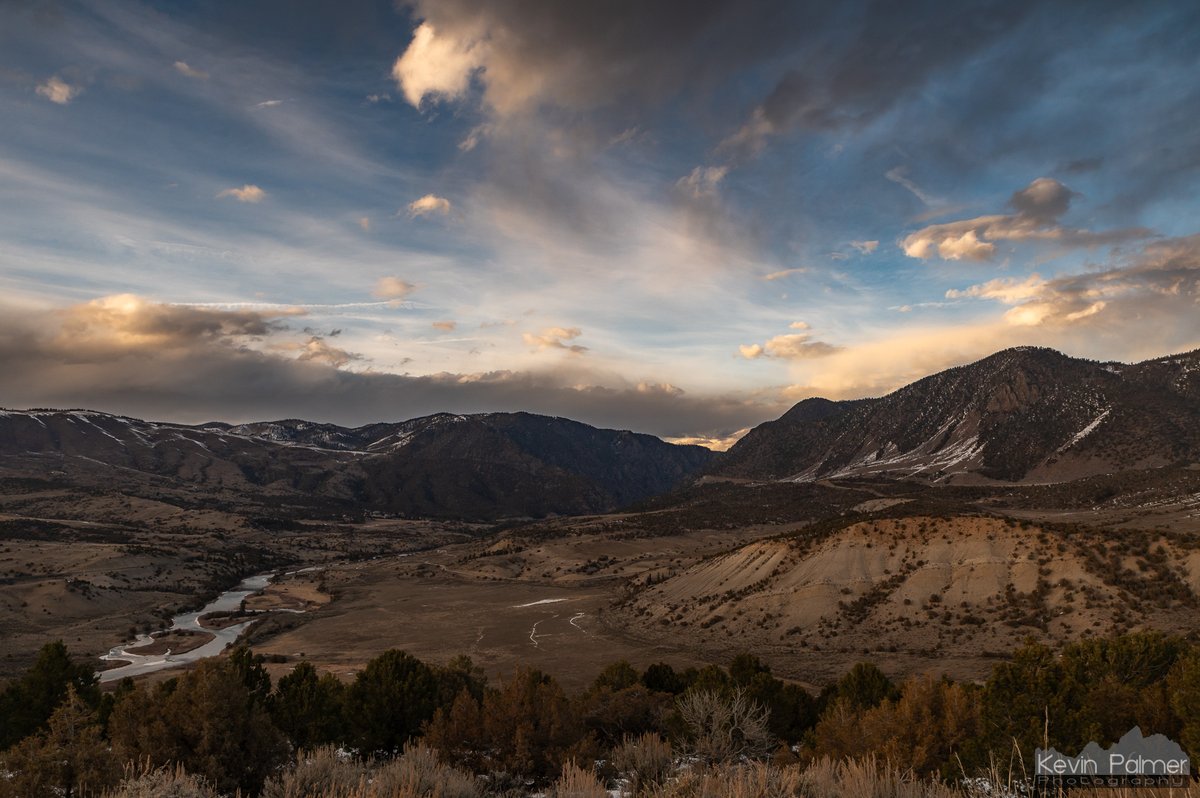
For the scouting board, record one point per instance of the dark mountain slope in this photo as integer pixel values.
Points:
(1021, 414)
(479, 466)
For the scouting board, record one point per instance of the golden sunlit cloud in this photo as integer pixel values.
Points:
(247, 193)
(393, 287)
(555, 338)
(58, 91)
(792, 346)
(428, 204)
(1037, 210)
(779, 275)
(718, 443)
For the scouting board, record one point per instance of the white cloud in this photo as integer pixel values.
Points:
(183, 68)
(267, 104)
(436, 66)
(1006, 290)
(865, 247)
(56, 90)
(393, 288)
(247, 193)
(799, 325)
(428, 204)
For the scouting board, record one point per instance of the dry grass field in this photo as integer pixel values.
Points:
(812, 578)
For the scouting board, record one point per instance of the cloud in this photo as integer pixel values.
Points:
(1003, 289)
(555, 338)
(445, 326)
(1081, 166)
(526, 54)
(1044, 200)
(1162, 281)
(129, 354)
(437, 66)
(791, 346)
(718, 443)
(58, 91)
(375, 99)
(846, 80)
(799, 325)
(665, 388)
(865, 247)
(429, 204)
(247, 193)
(702, 181)
(317, 349)
(182, 68)
(112, 326)
(267, 104)
(365, 223)
(1037, 210)
(779, 275)
(393, 288)
(899, 175)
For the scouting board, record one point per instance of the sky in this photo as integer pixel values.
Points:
(674, 217)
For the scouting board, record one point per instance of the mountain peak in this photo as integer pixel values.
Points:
(1021, 414)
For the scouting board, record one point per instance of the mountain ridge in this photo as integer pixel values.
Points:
(479, 466)
(1020, 414)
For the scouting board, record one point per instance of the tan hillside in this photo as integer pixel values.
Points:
(950, 589)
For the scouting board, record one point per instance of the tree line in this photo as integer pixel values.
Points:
(225, 722)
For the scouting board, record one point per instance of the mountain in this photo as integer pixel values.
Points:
(1022, 415)
(484, 466)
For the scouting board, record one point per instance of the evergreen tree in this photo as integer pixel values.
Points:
(309, 708)
(206, 720)
(1183, 688)
(389, 701)
(66, 759)
(27, 703)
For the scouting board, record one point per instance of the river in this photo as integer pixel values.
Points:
(228, 601)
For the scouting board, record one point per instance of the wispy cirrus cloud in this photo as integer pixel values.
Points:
(183, 68)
